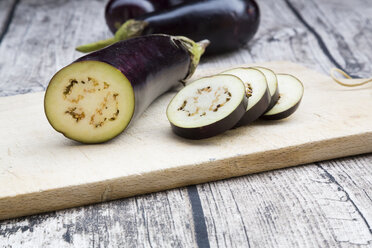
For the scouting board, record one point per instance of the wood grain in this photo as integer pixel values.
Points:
(344, 29)
(281, 37)
(299, 207)
(157, 220)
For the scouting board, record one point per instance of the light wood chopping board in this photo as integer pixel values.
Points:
(40, 170)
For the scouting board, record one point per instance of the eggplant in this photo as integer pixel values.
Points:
(272, 83)
(257, 91)
(228, 24)
(207, 107)
(119, 11)
(95, 98)
(291, 93)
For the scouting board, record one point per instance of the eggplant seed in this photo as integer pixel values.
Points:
(248, 89)
(75, 115)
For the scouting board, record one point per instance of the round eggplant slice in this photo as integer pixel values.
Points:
(272, 83)
(89, 101)
(257, 92)
(291, 92)
(207, 107)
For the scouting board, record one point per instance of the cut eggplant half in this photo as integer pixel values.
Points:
(95, 98)
(291, 92)
(207, 107)
(272, 83)
(257, 92)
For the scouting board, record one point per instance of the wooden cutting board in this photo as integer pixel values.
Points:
(40, 170)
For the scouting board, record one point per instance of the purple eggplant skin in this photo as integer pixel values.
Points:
(283, 114)
(153, 65)
(228, 24)
(256, 111)
(119, 11)
(274, 99)
(215, 128)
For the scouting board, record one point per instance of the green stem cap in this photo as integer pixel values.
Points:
(196, 50)
(129, 29)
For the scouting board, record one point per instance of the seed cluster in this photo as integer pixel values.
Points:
(74, 114)
(99, 117)
(103, 106)
(248, 89)
(220, 92)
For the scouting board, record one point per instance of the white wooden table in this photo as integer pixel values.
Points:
(327, 204)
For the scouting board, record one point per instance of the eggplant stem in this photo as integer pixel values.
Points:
(356, 82)
(91, 47)
(129, 29)
(196, 50)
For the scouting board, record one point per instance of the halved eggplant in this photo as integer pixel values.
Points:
(291, 92)
(257, 92)
(272, 83)
(95, 98)
(207, 107)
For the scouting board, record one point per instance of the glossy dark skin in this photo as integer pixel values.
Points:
(283, 114)
(152, 64)
(256, 111)
(119, 11)
(228, 24)
(274, 99)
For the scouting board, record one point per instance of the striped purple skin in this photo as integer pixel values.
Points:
(153, 65)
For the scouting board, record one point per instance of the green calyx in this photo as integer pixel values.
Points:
(131, 28)
(196, 50)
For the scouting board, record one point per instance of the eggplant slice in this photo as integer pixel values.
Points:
(90, 101)
(257, 92)
(207, 107)
(272, 83)
(291, 92)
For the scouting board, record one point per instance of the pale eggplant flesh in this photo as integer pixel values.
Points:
(207, 107)
(95, 98)
(291, 93)
(257, 92)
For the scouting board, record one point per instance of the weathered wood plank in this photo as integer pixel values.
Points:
(298, 207)
(281, 36)
(41, 40)
(7, 8)
(345, 28)
(352, 177)
(158, 220)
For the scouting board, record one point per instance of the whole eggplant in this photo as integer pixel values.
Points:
(228, 24)
(95, 98)
(119, 11)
